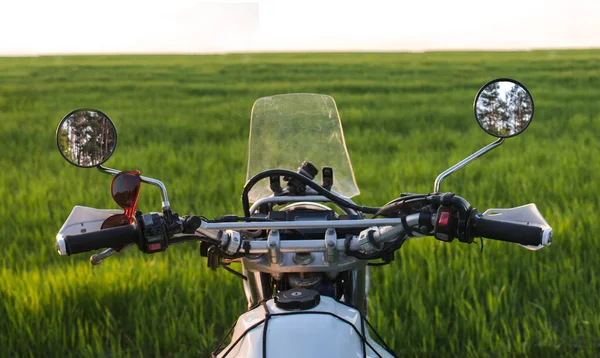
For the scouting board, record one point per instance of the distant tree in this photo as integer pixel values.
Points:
(79, 125)
(64, 143)
(94, 143)
(491, 108)
(520, 107)
(105, 137)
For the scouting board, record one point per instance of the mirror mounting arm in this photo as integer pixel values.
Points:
(462, 163)
(166, 207)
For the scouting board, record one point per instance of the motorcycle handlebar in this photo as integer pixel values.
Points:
(519, 233)
(113, 237)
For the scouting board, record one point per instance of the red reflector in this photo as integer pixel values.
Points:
(444, 217)
(154, 247)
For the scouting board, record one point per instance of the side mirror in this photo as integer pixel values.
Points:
(86, 137)
(503, 107)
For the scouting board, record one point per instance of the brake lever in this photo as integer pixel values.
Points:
(96, 259)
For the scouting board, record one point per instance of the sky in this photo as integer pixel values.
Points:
(32, 27)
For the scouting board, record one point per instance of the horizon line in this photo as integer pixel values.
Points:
(257, 52)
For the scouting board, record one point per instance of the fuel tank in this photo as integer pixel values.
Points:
(330, 329)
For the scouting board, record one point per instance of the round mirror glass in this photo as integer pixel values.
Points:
(86, 137)
(503, 107)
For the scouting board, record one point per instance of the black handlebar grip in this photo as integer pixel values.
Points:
(113, 237)
(519, 233)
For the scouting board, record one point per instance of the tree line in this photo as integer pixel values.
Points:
(504, 112)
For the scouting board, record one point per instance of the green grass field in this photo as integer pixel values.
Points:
(407, 117)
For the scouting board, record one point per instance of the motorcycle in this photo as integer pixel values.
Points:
(305, 247)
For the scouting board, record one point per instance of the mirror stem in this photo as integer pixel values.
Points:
(163, 190)
(462, 163)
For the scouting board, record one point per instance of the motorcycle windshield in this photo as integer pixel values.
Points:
(287, 129)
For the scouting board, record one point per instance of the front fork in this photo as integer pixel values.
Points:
(257, 287)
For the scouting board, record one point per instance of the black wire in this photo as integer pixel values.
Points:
(265, 326)
(362, 337)
(191, 238)
(377, 263)
(404, 200)
(256, 219)
(318, 188)
(252, 218)
(235, 218)
(233, 344)
(385, 346)
(407, 197)
(362, 328)
(218, 349)
(362, 256)
(268, 315)
(229, 269)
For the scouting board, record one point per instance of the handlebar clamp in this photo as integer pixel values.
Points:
(231, 242)
(367, 243)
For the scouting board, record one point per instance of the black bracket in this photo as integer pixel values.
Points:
(327, 173)
(275, 184)
(213, 257)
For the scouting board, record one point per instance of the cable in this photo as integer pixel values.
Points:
(398, 202)
(377, 263)
(407, 197)
(318, 188)
(235, 218)
(189, 238)
(229, 269)
(481, 237)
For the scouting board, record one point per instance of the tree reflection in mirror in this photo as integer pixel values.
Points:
(504, 108)
(86, 137)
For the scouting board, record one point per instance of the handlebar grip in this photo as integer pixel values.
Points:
(519, 233)
(113, 237)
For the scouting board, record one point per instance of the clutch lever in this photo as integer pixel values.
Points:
(96, 259)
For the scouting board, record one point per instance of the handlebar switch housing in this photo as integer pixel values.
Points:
(154, 233)
(445, 224)
(452, 219)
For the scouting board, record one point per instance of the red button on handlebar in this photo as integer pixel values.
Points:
(444, 217)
